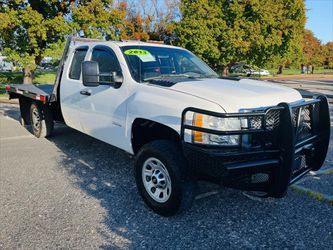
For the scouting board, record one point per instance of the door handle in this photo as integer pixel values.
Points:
(84, 92)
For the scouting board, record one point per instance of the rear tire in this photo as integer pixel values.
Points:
(22, 122)
(41, 120)
(160, 167)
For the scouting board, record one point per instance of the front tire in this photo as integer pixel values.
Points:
(41, 121)
(163, 179)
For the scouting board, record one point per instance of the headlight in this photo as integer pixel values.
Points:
(218, 124)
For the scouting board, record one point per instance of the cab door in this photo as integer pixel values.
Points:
(71, 86)
(103, 108)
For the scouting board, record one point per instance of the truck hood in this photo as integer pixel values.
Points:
(234, 95)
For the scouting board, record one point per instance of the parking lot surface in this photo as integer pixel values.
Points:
(72, 191)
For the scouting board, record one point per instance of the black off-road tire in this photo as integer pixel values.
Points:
(45, 123)
(182, 184)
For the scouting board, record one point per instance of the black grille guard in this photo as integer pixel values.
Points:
(297, 133)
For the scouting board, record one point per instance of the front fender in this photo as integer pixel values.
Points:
(163, 105)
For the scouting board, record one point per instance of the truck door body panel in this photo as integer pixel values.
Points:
(102, 114)
(70, 87)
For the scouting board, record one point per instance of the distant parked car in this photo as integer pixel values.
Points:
(5, 66)
(246, 70)
(47, 66)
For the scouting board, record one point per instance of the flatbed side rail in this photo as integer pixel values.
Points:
(29, 91)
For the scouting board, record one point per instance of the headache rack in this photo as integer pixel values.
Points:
(294, 137)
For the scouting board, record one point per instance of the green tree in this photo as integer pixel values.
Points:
(223, 32)
(199, 30)
(98, 18)
(30, 29)
(328, 55)
(135, 27)
(312, 50)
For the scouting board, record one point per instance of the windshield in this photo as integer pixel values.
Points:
(149, 62)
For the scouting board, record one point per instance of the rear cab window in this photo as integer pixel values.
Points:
(78, 58)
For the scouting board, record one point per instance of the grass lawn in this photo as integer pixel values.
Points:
(41, 77)
(298, 71)
(45, 77)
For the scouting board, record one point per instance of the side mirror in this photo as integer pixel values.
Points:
(90, 73)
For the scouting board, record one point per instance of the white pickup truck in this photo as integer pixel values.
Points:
(180, 120)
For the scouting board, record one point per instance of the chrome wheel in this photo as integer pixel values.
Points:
(156, 180)
(36, 119)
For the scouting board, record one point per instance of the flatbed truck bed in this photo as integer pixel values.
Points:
(40, 92)
(44, 96)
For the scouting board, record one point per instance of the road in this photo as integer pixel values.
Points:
(323, 86)
(72, 191)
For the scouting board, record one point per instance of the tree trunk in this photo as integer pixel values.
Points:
(28, 75)
(225, 70)
(280, 70)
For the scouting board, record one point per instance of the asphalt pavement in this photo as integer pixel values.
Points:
(72, 191)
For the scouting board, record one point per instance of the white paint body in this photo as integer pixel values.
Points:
(108, 113)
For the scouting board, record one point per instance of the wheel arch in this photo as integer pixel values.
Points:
(146, 130)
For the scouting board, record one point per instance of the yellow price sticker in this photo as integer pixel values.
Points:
(136, 52)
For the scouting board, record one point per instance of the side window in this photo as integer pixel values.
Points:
(107, 62)
(75, 70)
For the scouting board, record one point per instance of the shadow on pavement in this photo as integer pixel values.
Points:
(12, 111)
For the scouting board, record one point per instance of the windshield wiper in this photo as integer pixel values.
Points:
(166, 76)
(207, 76)
(179, 75)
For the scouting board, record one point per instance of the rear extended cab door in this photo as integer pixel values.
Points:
(71, 86)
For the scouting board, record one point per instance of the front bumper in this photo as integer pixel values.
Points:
(280, 151)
